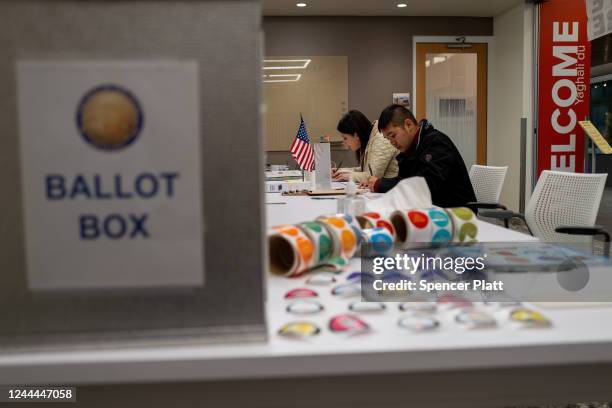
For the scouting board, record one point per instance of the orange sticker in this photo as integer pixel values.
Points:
(336, 222)
(374, 215)
(348, 241)
(289, 230)
(306, 248)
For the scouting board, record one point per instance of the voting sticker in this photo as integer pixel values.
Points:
(475, 319)
(304, 307)
(298, 330)
(321, 279)
(418, 322)
(367, 307)
(420, 307)
(301, 293)
(348, 324)
(529, 318)
(347, 290)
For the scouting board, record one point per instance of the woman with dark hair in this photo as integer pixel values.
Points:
(374, 152)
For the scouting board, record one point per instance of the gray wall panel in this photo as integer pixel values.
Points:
(224, 37)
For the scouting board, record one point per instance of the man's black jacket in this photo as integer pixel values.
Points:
(434, 156)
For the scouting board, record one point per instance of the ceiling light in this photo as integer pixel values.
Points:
(286, 64)
(301, 4)
(281, 77)
(402, 5)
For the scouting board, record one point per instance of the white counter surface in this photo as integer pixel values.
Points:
(580, 335)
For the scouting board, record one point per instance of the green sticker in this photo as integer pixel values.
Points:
(313, 226)
(464, 213)
(468, 230)
(325, 247)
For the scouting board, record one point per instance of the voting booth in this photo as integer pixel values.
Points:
(118, 118)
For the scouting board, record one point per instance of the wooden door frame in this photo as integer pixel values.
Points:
(481, 148)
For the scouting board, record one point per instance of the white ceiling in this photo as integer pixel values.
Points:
(463, 8)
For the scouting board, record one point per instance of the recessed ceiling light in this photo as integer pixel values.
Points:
(301, 4)
(402, 5)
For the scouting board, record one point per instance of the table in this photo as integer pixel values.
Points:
(568, 362)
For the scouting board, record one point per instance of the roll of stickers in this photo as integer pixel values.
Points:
(413, 227)
(322, 241)
(441, 225)
(291, 251)
(376, 241)
(373, 220)
(343, 236)
(464, 224)
(352, 221)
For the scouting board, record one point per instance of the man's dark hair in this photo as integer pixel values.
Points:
(395, 114)
(353, 122)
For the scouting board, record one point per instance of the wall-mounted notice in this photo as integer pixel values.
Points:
(563, 85)
(110, 159)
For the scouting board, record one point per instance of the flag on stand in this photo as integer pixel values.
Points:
(301, 149)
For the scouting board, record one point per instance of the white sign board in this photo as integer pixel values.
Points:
(599, 14)
(110, 160)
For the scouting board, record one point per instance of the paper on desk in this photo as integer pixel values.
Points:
(412, 192)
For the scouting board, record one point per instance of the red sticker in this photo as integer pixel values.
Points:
(348, 323)
(385, 224)
(372, 215)
(418, 219)
(300, 293)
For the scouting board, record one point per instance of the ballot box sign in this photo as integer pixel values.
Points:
(110, 160)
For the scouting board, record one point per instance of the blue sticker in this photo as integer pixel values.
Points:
(438, 217)
(441, 237)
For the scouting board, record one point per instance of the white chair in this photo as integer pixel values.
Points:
(488, 182)
(563, 208)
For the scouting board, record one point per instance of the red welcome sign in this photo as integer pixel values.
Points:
(563, 85)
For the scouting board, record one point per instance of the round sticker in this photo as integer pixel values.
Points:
(421, 307)
(475, 319)
(348, 324)
(418, 323)
(299, 330)
(418, 219)
(367, 307)
(529, 317)
(304, 307)
(300, 293)
(347, 290)
(321, 279)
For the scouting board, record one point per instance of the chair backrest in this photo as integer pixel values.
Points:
(563, 198)
(488, 182)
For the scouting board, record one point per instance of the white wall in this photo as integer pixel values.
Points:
(511, 93)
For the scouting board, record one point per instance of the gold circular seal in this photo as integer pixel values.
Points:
(109, 117)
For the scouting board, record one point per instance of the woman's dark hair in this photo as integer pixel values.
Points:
(356, 122)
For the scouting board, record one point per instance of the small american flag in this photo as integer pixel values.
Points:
(301, 149)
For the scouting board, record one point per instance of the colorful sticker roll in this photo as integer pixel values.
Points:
(376, 241)
(352, 221)
(413, 227)
(374, 220)
(464, 224)
(321, 240)
(291, 251)
(441, 225)
(343, 236)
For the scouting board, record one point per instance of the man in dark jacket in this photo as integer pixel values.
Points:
(425, 152)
